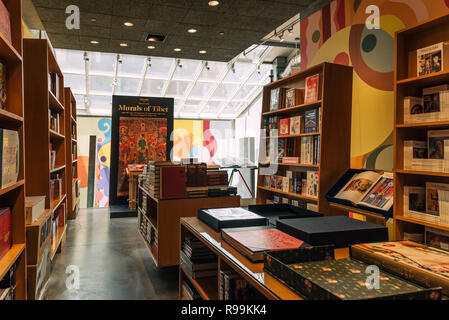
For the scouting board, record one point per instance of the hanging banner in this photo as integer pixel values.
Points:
(141, 131)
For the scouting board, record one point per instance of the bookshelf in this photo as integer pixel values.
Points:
(334, 130)
(73, 198)
(159, 221)
(409, 83)
(231, 259)
(12, 118)
(40, 105)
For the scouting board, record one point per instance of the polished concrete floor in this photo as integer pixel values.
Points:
(113, 262)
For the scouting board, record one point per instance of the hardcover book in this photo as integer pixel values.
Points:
(5, 22)
(311, 94)
(290, 98)
(284, 128)
(339, 231)
(415, 204)
(218, 219)
(2, 85)
(253, 242)
(433, 59)
(313, 180)
(5, 231)
(9, 151)
(274, 100)
(416, 262)
(437, 238)
(435, 141)
(295, 125)
(311, 121)
(434, 204)
(173, 182)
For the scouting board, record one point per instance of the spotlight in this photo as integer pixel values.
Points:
(95, 42)
(206, 65)
(192, 30)
(177, 49)
(129, 24)
(213, 3)
(202, 51)
(179, 63)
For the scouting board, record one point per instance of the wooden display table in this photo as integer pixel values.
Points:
(159, 224)
(228, 258)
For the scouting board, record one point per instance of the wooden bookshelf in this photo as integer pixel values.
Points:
(72, 159)
(409, 83)
(12, 118)
(40, 101)
(159, 222)
(335, 102)
(231, 259)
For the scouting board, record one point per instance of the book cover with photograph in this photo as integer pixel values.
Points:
(435, 142)
(414, 200)
(432, 59)
(432, 198)
(437, 238)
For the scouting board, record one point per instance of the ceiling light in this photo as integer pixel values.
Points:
(123, 44)
(155, 38)
(151, 47)
(207, 65)
(177, 49)
(213, 3)
(93, 20)
(94, 42)
(192, 30)
(129, 24)
(203, 51)
(221, 33)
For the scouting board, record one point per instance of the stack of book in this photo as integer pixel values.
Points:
(197, 260)
(217, 178)
(153, 177)
(234, 287)
(54, 121)
(55, 188)
(8, 284)
(295, 183)
(189, 292)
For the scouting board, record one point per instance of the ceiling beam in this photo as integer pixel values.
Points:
(173, 67)
(114, 82)
(281, 44)
(142, 80)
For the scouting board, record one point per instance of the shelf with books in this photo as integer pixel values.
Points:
(46, 135)
(313, 135)
(12, 173)
(206, 287)
(421, 126)
(72, 160)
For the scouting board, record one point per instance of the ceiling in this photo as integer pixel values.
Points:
(244, 22)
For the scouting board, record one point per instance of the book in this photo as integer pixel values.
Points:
(369, 189)
(436, 238)
(34, 207)
(295, 125)
(413, 261)
(290, 98)
(285, 184)
(433, 201)
(290, 160)
(253, 242)
(2, 85)
(284, 127)
(5, 231)
(5, 22)
(311, 121)
(173, 182)
(313, 179)
(435, 141)
(311, 93)
(9, 151)
(274, 99)
(433, 59)
(415, 204)
(230, 218)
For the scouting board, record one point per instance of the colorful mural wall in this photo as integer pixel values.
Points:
(192, 138)
(338, 34)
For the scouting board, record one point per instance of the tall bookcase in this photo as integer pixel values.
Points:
(409, 83)
(12, 118)
(335, 101)
(39, 62)
(73, 198)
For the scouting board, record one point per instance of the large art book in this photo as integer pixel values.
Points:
(9, 157)
(416, 262)
(253, 242)
(218, 219)
(369, 189)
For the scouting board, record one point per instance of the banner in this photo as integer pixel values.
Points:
(141, 131)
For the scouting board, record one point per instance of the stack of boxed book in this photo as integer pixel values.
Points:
(197, 260)
(189, 292)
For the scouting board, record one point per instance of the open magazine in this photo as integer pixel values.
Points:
(369, 189)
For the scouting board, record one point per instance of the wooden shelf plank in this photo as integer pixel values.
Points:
(293, 165)
(55, 104)
(6, 116)
(56, 203)
(58, 169)
(56, 136)
(149, 249)
(427, 80)
(423, 223)
(206, 287)
(290, 194)
(7, 51)
(439, 124)
(293, 109)
(10, 258)
(293, 136)
(16, 185)
(57, 243)
(423, 173)
(359, 211)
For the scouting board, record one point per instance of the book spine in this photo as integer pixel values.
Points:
(418, 275)
(1, 157)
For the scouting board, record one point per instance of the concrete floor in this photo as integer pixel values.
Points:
(113, 261)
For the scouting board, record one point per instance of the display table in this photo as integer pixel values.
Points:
(159, 222)
(228, 258)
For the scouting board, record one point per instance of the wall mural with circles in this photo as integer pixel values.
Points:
(338, 34)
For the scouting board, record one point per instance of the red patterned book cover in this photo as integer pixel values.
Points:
(312, 84)
(5, 22)
(5, 231)
(284, 129)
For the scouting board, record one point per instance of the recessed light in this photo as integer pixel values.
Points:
(192, 30)
(129, 24)
(221, 33)
(93, 20)
(155, 38)
(214, 3)
(203, 51)
(177, 49)
(123, 44)
(151, 47)
(94, 42)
